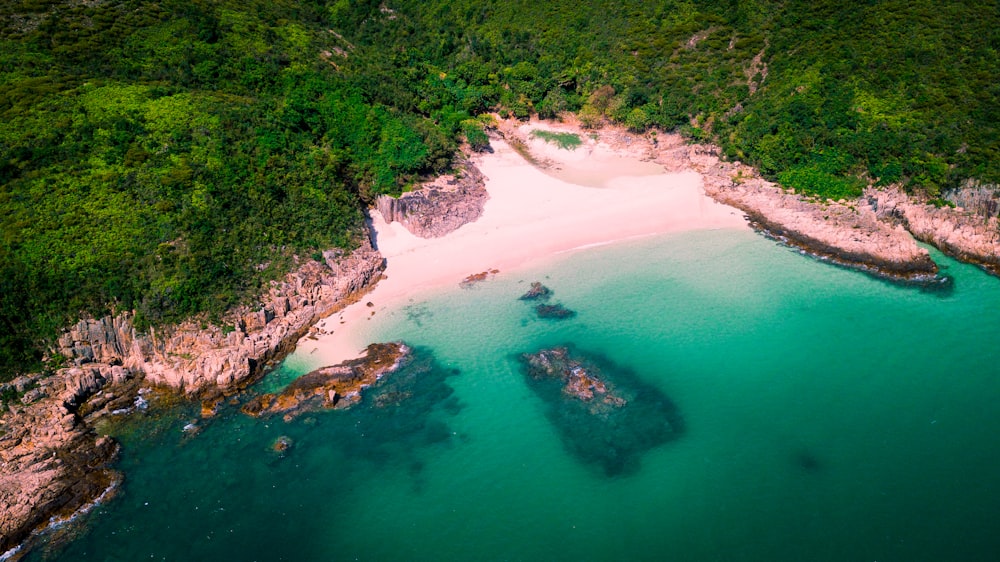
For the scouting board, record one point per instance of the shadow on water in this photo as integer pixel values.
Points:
(807, 461)
(612, 422)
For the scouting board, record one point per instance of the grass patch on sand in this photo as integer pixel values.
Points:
(567, 141)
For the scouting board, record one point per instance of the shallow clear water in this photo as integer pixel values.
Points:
(828, 416)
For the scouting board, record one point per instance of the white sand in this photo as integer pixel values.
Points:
(530, 216)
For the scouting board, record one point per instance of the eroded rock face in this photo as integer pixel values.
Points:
(51, 464)
(969, 236)
(337, 386)
(605, 414)
(191, 357)
(440, 206)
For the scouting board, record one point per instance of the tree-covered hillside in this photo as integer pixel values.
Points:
(822, 95)
(171, 156)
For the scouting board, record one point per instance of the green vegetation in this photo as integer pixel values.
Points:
(171, 156)
(565, 141)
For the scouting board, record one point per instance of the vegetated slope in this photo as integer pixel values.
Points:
(820, 95)
(170, 156)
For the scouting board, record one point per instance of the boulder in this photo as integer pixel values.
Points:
(536, 292)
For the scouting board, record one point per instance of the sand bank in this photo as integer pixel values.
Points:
(531, 215)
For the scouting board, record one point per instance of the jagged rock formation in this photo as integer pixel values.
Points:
(440, 206)
(966, 235)
(847, 233)
(51, 462)
(338, 386)
(977, 198)
(191, 357)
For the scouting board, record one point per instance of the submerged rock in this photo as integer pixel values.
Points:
(604, 413)
(537, 292)
(554, 311)
(477, 278)
(282, 444)
(338, 386)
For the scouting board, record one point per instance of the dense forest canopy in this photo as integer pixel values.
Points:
(170, 157)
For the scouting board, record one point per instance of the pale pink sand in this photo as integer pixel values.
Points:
(530, 216)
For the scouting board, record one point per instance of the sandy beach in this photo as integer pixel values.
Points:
(590, 196)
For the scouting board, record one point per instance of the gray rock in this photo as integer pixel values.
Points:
(441, 206)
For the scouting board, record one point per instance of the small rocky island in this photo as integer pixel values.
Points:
(541, 294)
(337, 386)
(605, 414)
(537, 292)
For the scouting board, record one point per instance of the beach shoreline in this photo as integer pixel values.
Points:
(534, 212)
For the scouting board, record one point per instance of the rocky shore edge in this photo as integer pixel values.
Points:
(876, 233)
(52, 463)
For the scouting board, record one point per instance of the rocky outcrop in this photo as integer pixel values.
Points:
(976, 198)
(52, 465)
(846, 233)
(338, 386)
(51, 462)
(580, 378)
(475, 278)
(193, 357)
(554, 311)
(440, 206)
(536, 292)
(967, 235)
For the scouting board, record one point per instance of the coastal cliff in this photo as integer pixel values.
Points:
(439, 206)
(193, 357)
(53, 463)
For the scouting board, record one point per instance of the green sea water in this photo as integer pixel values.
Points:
(827, 416)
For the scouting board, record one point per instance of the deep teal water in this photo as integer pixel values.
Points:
(828, 416)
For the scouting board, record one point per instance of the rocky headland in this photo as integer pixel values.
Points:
(53, 464)
(877, 232)
(846, 233)
(439, 206)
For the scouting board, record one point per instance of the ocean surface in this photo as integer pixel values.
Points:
(826, 415)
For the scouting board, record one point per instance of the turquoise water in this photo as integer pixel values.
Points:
(827, 416)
